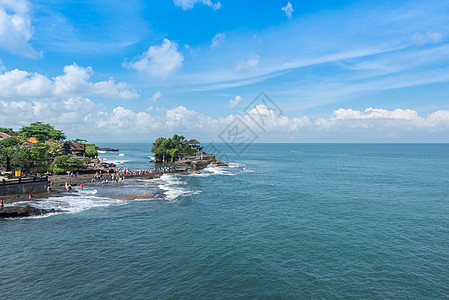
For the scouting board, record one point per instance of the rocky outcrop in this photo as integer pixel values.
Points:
(107, 149)
(198, 165)
(23, 211)
(201, 161)
(220, 163)
(96, 165)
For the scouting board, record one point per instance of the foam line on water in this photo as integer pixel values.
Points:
(116, 162)
(173, 187)
(214, 170)
(85, 200)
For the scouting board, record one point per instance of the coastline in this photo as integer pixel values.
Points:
(59, 181)
(108, 177)
(20, 205)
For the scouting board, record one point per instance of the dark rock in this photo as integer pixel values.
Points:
(199, 165)
(107, 149)
(23, 211)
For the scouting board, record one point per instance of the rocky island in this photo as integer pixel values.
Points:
(182, 152)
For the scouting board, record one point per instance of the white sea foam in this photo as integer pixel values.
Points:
(121, 154)
(73, 203)
(174, 187)
(88, 192)
(234, 165)
(116, 162)
(213, 170)
(31, 217)
(102, 152)
(173, 192)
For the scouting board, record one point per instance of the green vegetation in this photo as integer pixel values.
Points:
(6, 130)
(9, 142)
(169, 148)
(54, 149)
(42, 132)
(45, 155)
(91, 151)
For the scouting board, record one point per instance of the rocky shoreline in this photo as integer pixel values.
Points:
(58, 189)
(24, 211)
(84, 177)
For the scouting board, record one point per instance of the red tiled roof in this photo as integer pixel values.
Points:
(4, 135)
(33, 140)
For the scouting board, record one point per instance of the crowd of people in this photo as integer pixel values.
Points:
(131, 172)
(114, 175)
(118, 175)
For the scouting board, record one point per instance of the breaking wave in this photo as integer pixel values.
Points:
(83, 200)
(174, 187)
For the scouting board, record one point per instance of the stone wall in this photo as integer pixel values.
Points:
(23, 188)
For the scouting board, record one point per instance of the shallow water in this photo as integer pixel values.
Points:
(284, 221)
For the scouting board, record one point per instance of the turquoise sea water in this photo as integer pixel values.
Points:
(293, 221)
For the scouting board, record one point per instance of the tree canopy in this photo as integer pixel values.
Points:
(6, 130)
(170, 147)
(42, 156)
(91, 151)
(9, 142)
(42, 132)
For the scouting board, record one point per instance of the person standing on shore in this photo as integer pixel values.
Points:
(1, 204)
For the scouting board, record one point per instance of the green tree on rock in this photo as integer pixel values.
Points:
(170, 148)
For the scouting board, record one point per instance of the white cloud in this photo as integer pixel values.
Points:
(235, 101)
(218, 40)
(156, 96)
(17, 84)
(250, 63)
(15, 27)
(189, 4)
(427, 38)
(376, 113)
(69, 111)
(159, 61)
(178, 119)
(183, 120)
(288, 10)
(382, 119)
(80, 113)
(122, 118)
(2, 66)
(273, 122)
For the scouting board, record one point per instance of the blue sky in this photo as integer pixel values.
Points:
(340, 71)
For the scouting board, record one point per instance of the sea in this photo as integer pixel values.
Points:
(282, 221)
